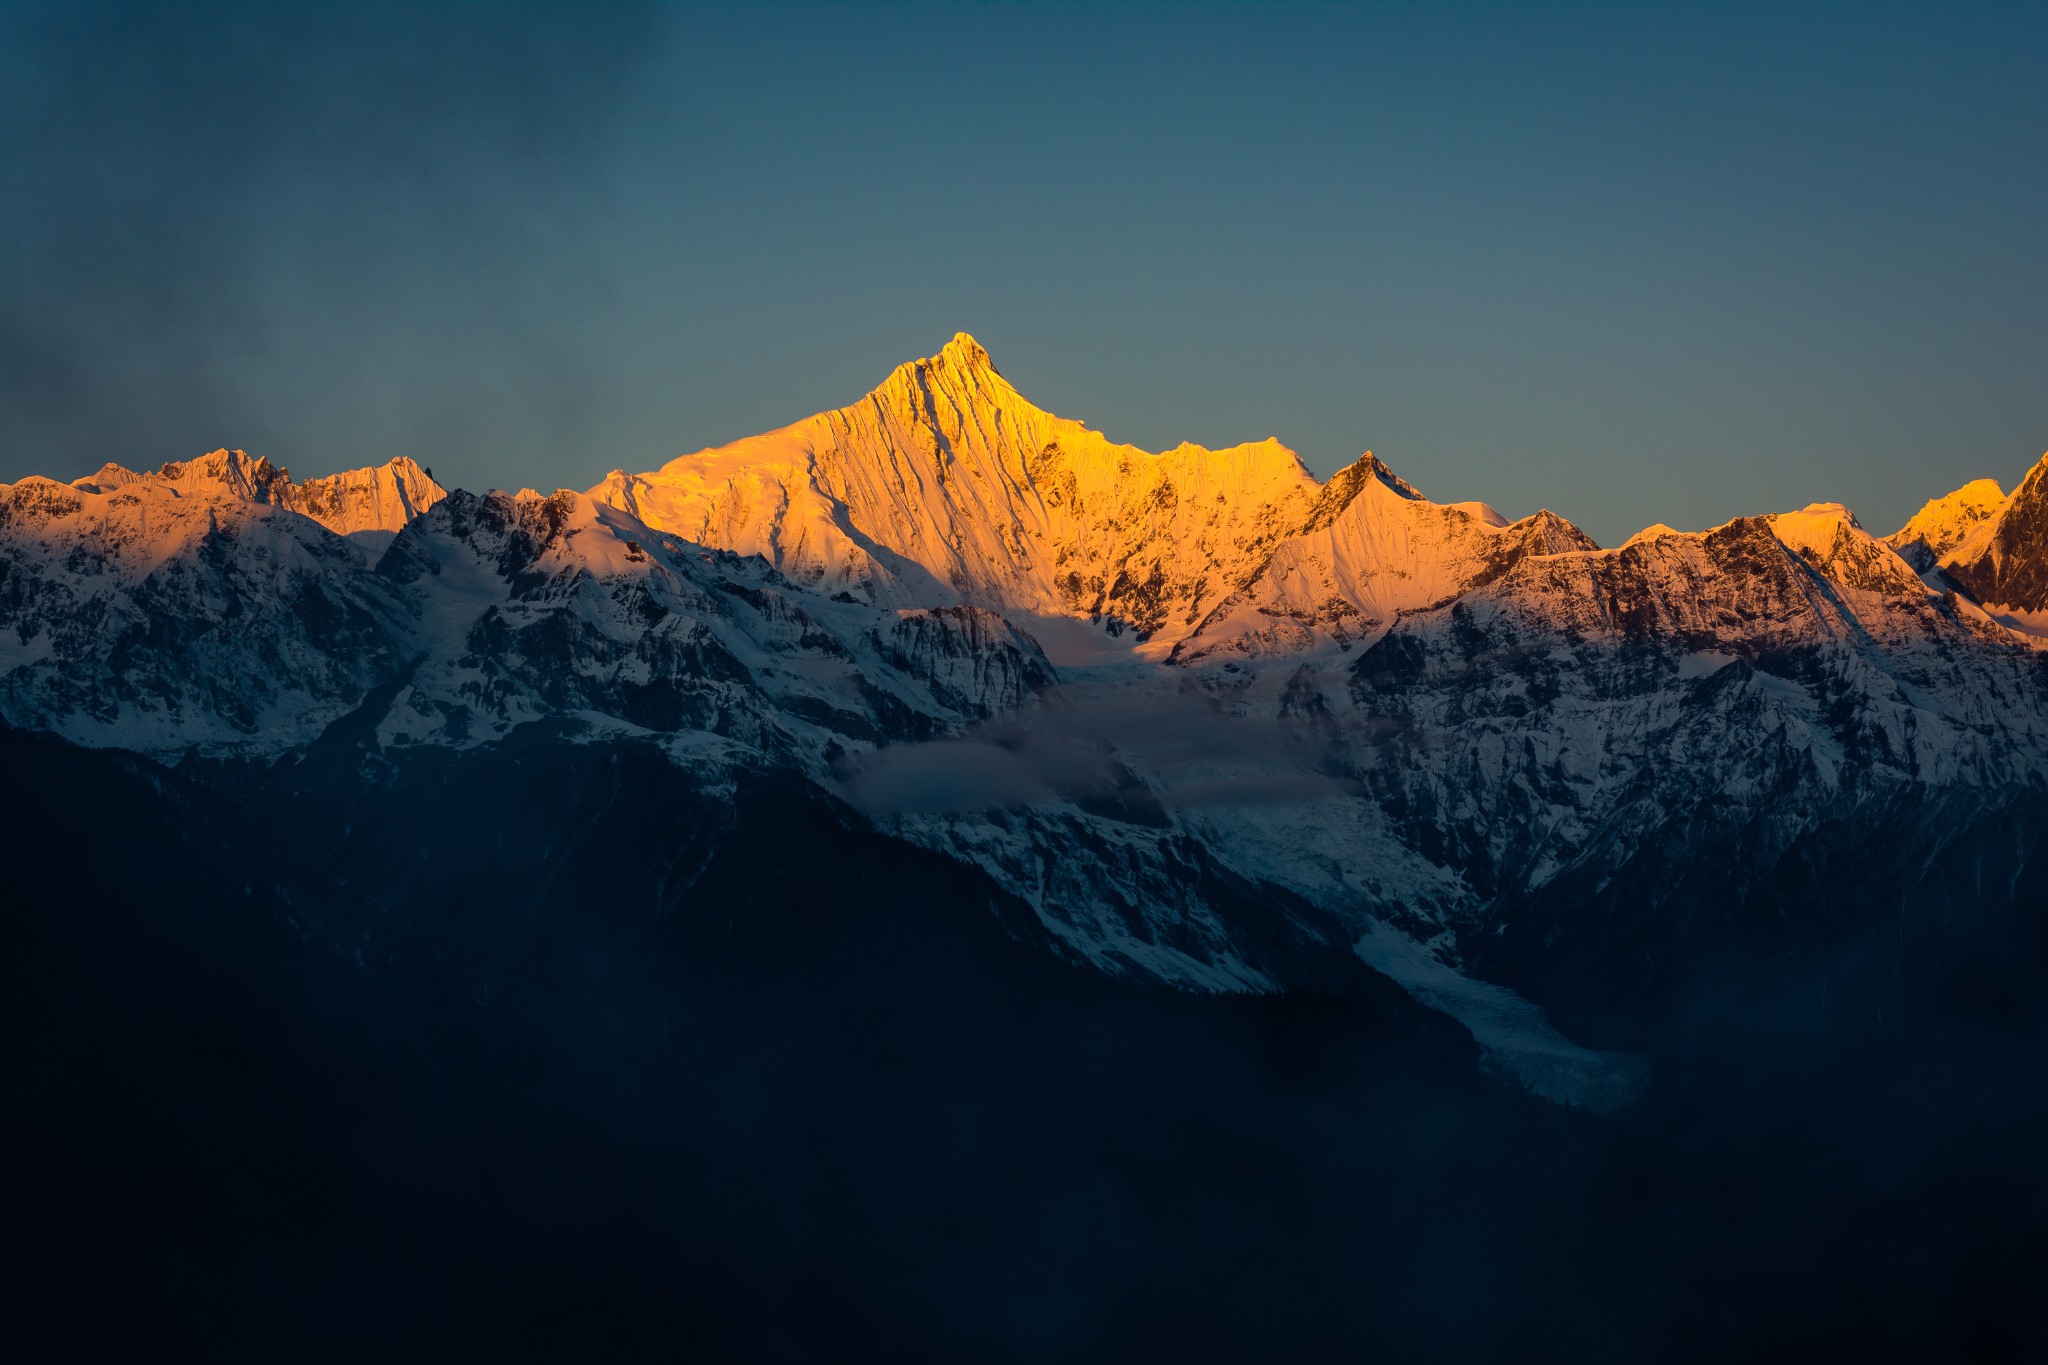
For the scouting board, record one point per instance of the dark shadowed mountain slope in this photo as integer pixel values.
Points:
(807, 1108)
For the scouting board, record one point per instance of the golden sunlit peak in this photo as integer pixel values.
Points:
(963, 355)
(963, 350)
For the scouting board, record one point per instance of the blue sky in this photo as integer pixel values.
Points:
(1634, 263)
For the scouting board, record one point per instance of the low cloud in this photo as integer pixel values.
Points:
(1138, 749)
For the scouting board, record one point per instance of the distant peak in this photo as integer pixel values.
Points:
(234, 472)
(1827, 511)
(107, 477)
(1946, 522)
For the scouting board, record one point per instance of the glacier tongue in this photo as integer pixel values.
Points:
(1518, 1041)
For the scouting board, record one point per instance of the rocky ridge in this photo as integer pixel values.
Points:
(945, 483)
(1324, 720)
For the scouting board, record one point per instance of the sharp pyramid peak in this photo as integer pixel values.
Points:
(963, 353)
(965, 350)
(963, 374)
(1346, 483)
(1372, 464)
(959, 374)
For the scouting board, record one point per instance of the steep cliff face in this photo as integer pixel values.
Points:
(1573, 731)
(203, 606)
(210, 601)
(2003, 562)
(370, 506)
(1632, 756)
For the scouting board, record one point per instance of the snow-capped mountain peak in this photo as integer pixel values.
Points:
(218, 473)
(1370, 709)
(947, 484)
(369, 506)
(1946, 522)
(1828, 536)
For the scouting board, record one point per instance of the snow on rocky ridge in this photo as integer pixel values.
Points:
(1212, 720)
(1945, 522)
(946, 484)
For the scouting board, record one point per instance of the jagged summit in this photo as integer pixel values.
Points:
(232, 473)
(1371, 549)
(369, 506)
(964, 350)
(947, 484)
(961, 370)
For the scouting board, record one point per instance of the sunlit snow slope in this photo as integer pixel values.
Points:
(946, 484)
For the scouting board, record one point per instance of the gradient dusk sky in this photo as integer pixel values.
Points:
(1635, 263)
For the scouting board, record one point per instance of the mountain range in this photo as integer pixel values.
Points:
(1205, 719)
(930, 882)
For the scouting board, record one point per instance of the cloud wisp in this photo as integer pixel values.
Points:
(1135, 754)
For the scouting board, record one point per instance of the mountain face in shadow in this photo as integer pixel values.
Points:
(284, 1097)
